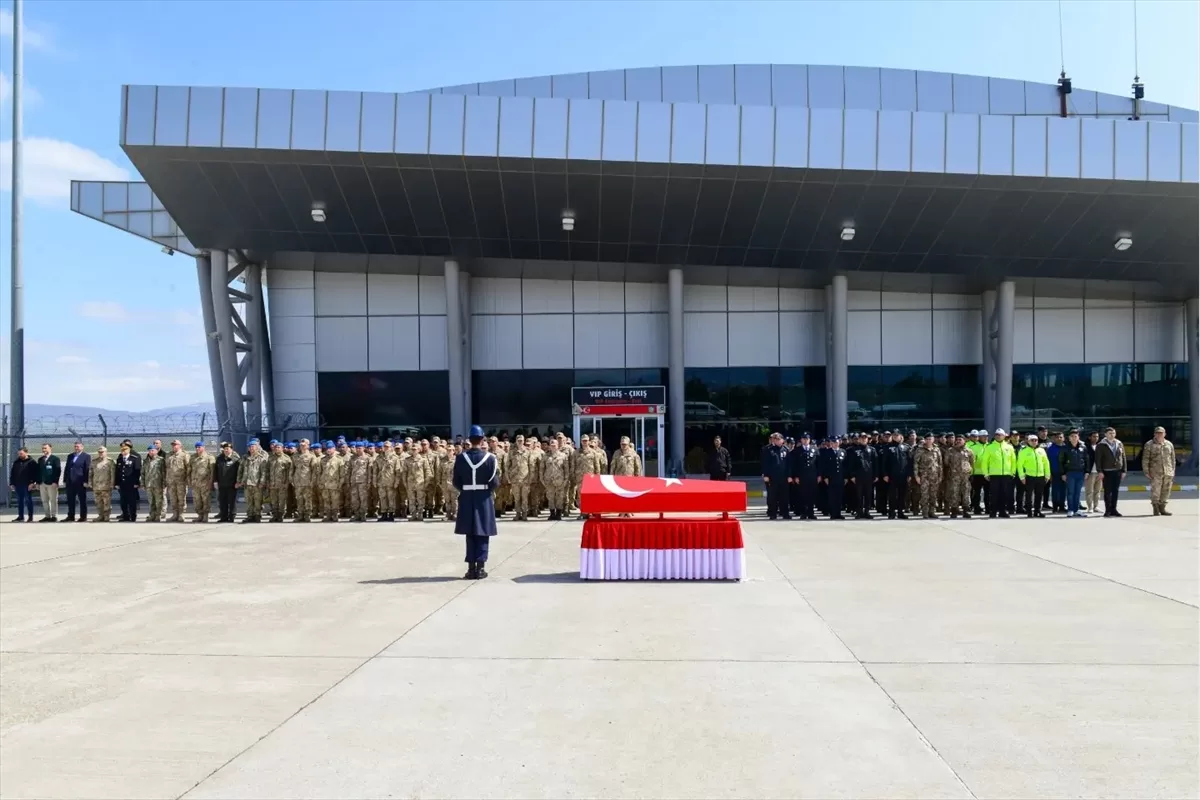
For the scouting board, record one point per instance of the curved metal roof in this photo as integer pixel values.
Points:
(823, 86)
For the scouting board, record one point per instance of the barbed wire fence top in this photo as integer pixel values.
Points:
(62, 432)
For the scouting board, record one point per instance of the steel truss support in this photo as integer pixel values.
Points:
(239, 355)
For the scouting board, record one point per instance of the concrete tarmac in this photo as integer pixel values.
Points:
(981, 658)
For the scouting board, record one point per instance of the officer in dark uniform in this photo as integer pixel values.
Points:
(850, 492)
(832, 469)
(775, 476)
(128, 476)
(882, 444)
(476, 476)
(802, 472)
(861, 466)
(897, 469)
(225, 473)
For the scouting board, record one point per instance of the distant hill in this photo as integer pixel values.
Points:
(38, 410)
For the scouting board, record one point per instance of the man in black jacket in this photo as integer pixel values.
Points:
(23, 479)
(75, 476)
(832, 467)
(49, 476)
(720, 465)
(861, 468)
(802, 474)
(897, 469)
(127, 476)
(775, 476)
(226, 474)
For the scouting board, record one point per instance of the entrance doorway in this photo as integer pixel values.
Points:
(643, 432)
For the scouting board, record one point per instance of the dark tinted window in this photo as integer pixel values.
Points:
(374, 399)
(514, 400)
(941, 397)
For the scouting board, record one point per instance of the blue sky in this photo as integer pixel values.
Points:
(112, 322)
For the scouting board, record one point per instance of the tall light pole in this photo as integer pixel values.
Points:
(16, 394)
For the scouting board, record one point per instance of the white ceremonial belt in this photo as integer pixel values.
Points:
(475, 487)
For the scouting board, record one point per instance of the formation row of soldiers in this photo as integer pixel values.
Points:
(357, 480)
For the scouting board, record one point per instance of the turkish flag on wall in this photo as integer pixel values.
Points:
(615, 494)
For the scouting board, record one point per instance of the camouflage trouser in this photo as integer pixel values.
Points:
(304, 509)
(958, 495)
(416, 501)
(928, 490)
(103, 503)
(573, 496)
(317, 505)
(331, 502)
(521, 499)
(254, 502)
(345, 507)
(177, 495)
(155, 496)
(359, 497)
(503, 497)
(202, 501)
(290, 504)
(943, 493)
(277, 497)
(1160, 489)
(556, 496)
(451, 495)
(433, 496)
(387, 499)
(372, 500)
(401, 497)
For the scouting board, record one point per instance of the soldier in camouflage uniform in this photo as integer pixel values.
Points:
(200, 480)
(252, 478)
(383, 480)
(153, 478)
(402, 456)
(1158, 462)
(448, 491)
(176, 481)
(102, 475)
(279, 480)
(302, 480)
(944, 443)
(359, 469)
(626, 461)
(332, 467)
(958, 463)
(416, 478)
(537, 494)
(517, 468)
(927, 474)
(345, 452)
(555, 477)
(372, 452)
(289, 506)
(318, 458)
(503, 494)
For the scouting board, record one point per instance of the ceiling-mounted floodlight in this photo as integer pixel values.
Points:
(847, 234)
(1122, 244)
(318, 214)
(568, 220)
(168, 250)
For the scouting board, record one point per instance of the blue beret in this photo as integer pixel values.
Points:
(329, 444)
(341, 439)
(198, 444)
(148, 449)
(290, 444)
(252, 441)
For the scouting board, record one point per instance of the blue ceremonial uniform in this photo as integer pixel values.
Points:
(774, 469)
(832, 466)
(476, 476)
(802, 468)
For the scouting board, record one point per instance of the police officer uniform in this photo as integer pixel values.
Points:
(476, 476)
(833, 469)
(802, 471)
(775, 474)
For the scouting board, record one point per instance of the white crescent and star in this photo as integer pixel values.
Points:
(609, 482)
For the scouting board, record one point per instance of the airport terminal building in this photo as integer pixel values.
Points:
(678, 252)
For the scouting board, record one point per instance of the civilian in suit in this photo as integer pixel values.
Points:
(75, 476)
(49, 476)
(128, 479)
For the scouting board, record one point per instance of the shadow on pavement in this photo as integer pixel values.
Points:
(411, 579)
(549, 577)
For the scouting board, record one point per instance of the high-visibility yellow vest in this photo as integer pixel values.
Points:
(999, 458)
(1032, 462)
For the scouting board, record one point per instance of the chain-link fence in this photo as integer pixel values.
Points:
(62, 432)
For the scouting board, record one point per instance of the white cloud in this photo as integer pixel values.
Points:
(34, 39)
(32, 96)
(51, 165)
(70, 359)
(149, 365)
(104, 311)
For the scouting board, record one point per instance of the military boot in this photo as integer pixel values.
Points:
(472, 571)
(1162, 509)
(480, 572)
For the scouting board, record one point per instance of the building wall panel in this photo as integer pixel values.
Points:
(393, 343)
(646, 297)
(598, 296)
(957, 336)
(292, 330)
(753, 339)
(392, 295)
(905, 301)
(431, 294)
(433, 342)
(1108, 335)
(1058, 336)
(907, 337)
(704, 298)
(293, 358)
(859, 300)
(1160, 334)
(864, 346)
(705, 339)
(296, 388)
(548, 341)
(791, 299)
(599, 341)
(289, 279)
(341, 294)
(645, 340)
(753, 298)
(801, 338)
(540, 296)
(495, 295)
(1022, 336)
(496, 341)
(342, 344)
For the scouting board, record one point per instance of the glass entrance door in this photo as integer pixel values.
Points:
(642, 432)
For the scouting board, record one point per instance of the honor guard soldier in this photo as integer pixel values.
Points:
(833, 470)
(775, 476)
(802, 469)
(476, 477)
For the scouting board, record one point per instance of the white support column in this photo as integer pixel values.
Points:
(223, 316)
(204, 273)
(1193, 354)
(1006, 300)
(989, 360)
(454, 349)
(675, 395)
(464, 312)
(836, 371)
(255, 313)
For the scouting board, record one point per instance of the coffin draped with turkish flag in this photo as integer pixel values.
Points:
(616, 494)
